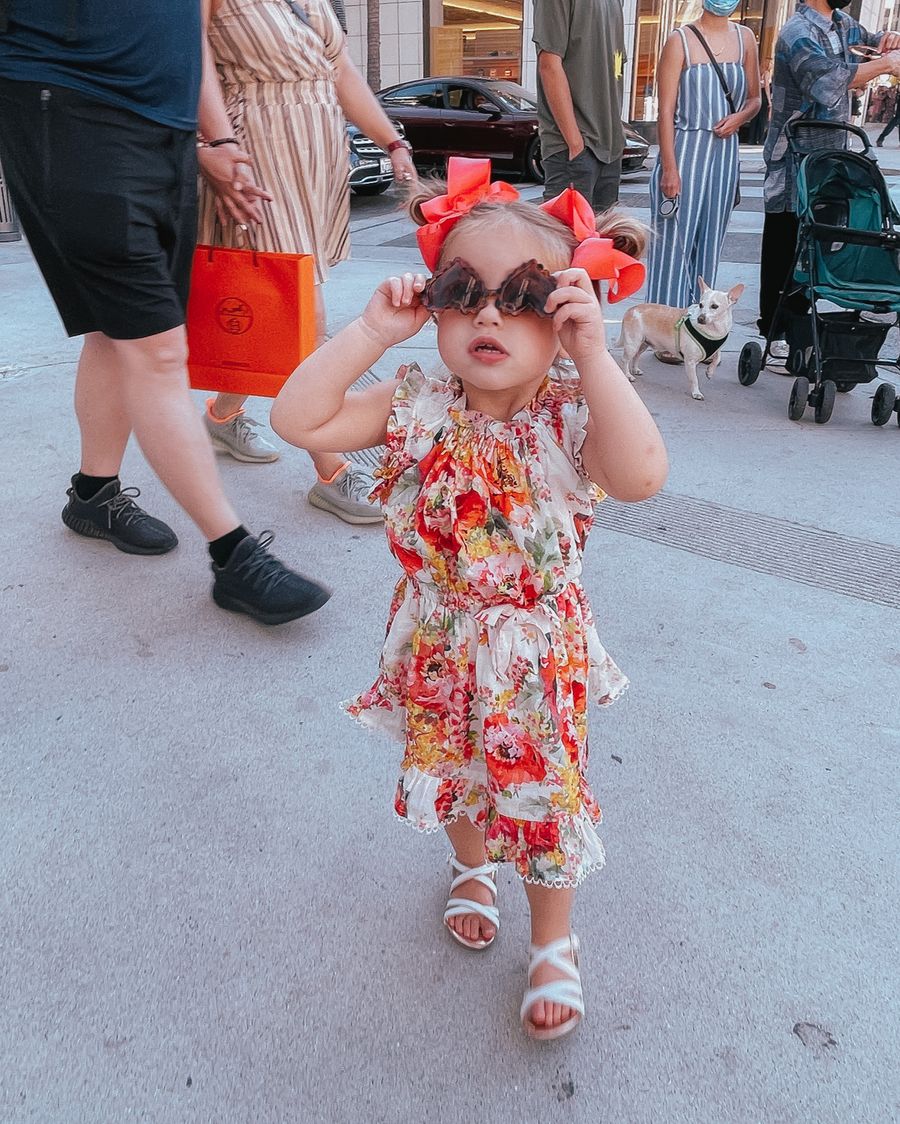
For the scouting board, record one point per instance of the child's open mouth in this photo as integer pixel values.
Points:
(488, 350)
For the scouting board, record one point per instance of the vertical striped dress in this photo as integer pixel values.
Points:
(278, 80)
(687, 245)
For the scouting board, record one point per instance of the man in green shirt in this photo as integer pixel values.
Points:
(581, 55)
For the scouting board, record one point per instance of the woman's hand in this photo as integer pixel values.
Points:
(394, 313)
(227, 170)
(404, 168)
(577, 315)
(670, 183)
(727, 125)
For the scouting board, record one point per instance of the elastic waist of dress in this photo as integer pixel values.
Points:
(319, 93)
(463, 602)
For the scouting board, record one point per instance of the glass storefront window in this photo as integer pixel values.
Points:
(656, 19)
(477, 38)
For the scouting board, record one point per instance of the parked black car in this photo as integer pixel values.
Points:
(479, 117)
(370, 166)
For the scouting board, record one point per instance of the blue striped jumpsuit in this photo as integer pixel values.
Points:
(710, 170)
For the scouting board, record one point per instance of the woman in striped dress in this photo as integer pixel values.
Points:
(698, 161)
(288, 83)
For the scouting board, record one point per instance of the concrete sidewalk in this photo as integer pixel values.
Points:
(208, 913)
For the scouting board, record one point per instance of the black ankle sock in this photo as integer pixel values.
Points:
(86, 487)
(220, 550)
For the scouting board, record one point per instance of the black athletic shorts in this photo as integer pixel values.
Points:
(108, 202)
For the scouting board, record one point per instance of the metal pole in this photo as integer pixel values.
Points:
(9, 222)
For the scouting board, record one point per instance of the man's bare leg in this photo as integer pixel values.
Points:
(152, 375)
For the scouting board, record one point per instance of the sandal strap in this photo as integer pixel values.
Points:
(459, 907)
(483, 875)
(554, 955)
(567, 993)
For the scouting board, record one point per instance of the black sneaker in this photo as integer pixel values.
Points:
(113, 515)
(252, 581)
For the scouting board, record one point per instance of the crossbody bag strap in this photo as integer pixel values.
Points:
(337, 6)
(716, 67)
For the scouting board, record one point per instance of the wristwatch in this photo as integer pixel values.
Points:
(399, 143)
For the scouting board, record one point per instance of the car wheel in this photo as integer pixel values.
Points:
(534, 169)
(371, 188)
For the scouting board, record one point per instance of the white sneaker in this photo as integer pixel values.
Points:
(236, 437)
(779, 349)
(347, 496)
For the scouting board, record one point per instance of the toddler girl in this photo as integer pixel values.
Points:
(488, 483)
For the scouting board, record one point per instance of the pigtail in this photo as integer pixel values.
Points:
(628, 234)
(428, 188)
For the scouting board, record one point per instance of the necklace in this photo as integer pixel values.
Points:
(724, 42)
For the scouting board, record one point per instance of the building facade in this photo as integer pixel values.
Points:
(493, 38)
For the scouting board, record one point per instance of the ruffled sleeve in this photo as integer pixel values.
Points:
(567, 413)
(418, 410)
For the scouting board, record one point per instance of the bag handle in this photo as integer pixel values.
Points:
(716, 67)
(219, 236)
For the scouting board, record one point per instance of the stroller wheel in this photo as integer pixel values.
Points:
(883, 404)
(796, 362)
(825, 402)
(749, 363)
(799, 396)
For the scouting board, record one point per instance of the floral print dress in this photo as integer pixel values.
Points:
(491, 653)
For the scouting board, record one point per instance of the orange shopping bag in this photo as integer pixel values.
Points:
(250, 320)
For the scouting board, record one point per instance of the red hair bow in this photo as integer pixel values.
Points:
(469, 183)
(597, 256)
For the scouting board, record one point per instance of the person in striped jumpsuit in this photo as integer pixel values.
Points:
(698, 162)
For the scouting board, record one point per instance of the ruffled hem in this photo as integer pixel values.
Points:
(431, 829)
(369, 716)
(572, 849)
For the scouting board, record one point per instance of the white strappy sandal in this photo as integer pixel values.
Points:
(566, 992)
(459, 907)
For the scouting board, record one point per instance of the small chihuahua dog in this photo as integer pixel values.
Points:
(694, 334)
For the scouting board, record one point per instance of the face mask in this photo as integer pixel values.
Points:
(726, 7)
(838, 4)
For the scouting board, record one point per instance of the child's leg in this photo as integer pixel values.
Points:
(551, 910)
(467, 841)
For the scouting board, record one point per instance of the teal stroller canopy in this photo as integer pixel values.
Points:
(848, 227)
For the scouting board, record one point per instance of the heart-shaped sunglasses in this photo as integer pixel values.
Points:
(458, 286)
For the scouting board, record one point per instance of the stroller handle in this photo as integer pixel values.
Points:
(790, 131)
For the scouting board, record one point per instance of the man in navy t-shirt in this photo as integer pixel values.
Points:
(98, 144)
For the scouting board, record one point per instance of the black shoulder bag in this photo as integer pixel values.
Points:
(725, 91)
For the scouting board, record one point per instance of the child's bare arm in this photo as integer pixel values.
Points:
(623, 451)
(315, 408)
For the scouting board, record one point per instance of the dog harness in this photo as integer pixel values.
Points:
(710, 346)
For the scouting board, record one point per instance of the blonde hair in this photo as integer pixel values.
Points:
(628, 234)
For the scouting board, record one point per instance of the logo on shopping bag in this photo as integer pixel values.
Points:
(234, 315)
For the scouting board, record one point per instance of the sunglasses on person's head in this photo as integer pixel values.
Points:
(458, 286)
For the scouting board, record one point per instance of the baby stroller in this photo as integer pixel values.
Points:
(847, 254)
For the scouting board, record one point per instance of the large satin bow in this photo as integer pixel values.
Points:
(597, 256)
(469, 183)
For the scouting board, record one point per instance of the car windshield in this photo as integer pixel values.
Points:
(512, 96)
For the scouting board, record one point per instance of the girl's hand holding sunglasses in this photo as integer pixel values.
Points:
(395, 312)
(577, 315)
